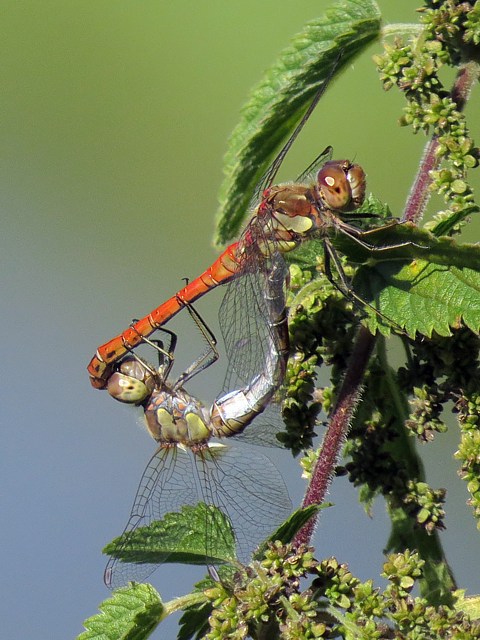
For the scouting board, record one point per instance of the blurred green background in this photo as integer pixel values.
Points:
(114, 121)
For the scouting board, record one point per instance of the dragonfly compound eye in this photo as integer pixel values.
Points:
(334, 186)
(357, 179)
(131, 383)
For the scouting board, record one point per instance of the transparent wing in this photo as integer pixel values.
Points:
(271, 173)
(315, 165)
(253, 322)
(243, 304)
(252, 305)
(253, 299)
(243, 484)
(246, 486)
(166, 485)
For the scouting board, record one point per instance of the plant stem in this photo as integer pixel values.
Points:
(420, 192)
(338, 428)
(182, 602)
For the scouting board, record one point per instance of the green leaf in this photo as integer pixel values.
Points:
(421, 296)
(194, 621)
(416, 281)
(132, 613)
(179, 537)
(287, 530)
(277, 104)
(373, 206)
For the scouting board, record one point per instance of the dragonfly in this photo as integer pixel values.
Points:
(238, 486)
(318, 203)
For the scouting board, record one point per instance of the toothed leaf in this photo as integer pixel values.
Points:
(276, 105)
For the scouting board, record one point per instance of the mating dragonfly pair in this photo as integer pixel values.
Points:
(187, 467)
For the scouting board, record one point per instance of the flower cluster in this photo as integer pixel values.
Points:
(425, 505)
(468, 453)
(267, 594)
(450, 29)
(270, 602)
(321, 331)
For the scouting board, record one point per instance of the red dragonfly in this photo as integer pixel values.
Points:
(286, 215)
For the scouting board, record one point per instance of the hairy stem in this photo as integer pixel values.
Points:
(420, 192)
(338, 428)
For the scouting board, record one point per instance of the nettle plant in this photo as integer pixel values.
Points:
(407, 277)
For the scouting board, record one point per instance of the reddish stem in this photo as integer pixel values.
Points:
(351, 387)
(337, 429)
(420, 192)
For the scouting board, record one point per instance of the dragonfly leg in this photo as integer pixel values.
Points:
(359, 235)
(345, 287)
(166, 357)
(213, 573)
(208, 357)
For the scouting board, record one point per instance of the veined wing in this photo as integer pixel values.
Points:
(246, 486)
(252, 308)
(166, 485)
(243, 484)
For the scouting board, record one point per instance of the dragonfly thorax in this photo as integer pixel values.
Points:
(290, 200)
(289, 207)
(286, 215)
(177, 418)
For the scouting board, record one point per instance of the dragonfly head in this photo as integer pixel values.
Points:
(132, 382)
(341, 185)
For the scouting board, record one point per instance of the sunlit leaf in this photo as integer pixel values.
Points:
(179, 537)
(421, 297)
(132, 613)
(416, 281)
(287, 531)
(277, 104)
